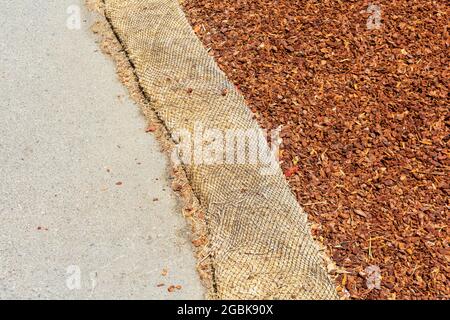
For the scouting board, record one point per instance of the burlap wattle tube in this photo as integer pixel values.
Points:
(260, 243)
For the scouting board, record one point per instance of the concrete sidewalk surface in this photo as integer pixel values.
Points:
(85, 204)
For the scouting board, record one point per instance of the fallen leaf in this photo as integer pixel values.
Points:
(360, 213)
(171, 288)
(291, 171)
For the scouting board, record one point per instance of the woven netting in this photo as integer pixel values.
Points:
(259, 240)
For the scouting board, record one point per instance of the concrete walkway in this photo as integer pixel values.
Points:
(79, 175)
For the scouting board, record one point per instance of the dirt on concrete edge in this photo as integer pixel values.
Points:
(191, 209)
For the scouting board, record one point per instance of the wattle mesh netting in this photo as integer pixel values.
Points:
(259, 240)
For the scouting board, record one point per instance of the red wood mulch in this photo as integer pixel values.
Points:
(366, 118)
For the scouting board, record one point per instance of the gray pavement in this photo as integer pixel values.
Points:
(68, 136)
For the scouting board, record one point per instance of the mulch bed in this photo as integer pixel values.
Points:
(366, 125)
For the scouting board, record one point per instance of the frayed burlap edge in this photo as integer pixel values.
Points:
(191, 209)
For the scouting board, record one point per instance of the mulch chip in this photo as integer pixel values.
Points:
(365, 116)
